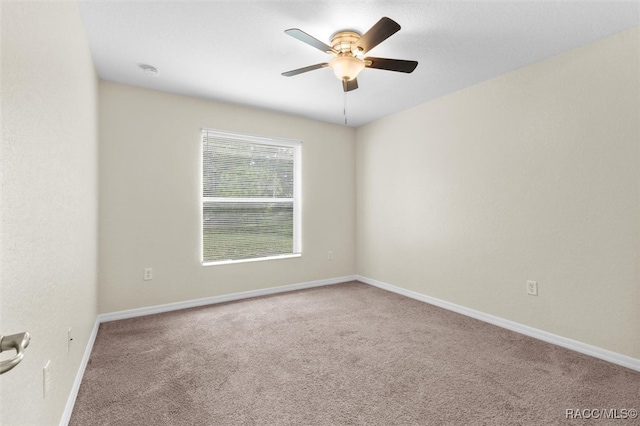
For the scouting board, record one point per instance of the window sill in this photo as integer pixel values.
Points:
(257, 259)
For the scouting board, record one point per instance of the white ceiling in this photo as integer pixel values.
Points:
(234, 51)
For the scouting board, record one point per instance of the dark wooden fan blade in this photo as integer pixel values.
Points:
(381, 31)
(306, 38)
(348, 86)
(305, 69)
(391, 64)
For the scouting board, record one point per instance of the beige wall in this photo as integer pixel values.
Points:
(49, 203)
(150, 201)
(534, 175)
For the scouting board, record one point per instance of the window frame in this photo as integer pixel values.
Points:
(297, 191)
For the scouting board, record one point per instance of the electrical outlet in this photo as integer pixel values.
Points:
(330, 255)
(69, 340)
(148, 274)
(532, 288)
(46, 380)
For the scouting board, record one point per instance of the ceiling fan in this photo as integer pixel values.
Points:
(348, 48)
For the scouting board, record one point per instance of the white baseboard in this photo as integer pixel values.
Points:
(132, 313)
(594, 351)
(71, 401)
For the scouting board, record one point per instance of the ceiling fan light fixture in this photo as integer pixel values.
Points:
(346, 67)
(348, 48)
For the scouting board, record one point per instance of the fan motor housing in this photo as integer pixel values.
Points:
(343, 42)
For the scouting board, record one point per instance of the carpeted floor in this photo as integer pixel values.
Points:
(347, 354)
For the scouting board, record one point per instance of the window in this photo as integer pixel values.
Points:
(250, 197)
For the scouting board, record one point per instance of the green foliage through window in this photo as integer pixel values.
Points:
(249, 197)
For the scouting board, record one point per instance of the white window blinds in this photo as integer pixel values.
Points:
(250, 197)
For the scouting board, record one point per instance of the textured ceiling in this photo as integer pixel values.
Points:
(235, 51)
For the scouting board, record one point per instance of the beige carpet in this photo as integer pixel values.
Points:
(346, 354)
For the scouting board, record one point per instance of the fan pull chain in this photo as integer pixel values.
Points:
(344, 111)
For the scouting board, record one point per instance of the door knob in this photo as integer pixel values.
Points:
(18, 342)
